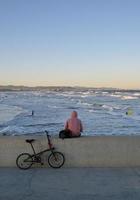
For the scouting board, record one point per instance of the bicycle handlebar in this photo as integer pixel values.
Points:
(48, 138)
(47, 134)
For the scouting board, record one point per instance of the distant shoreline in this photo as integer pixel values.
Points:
(12, 88)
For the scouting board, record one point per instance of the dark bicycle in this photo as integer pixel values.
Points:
(55, 159)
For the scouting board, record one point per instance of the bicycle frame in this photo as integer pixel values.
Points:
(51, 148)
(55, 158)
(41, 152)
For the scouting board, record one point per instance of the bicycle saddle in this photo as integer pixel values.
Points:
(30, 141)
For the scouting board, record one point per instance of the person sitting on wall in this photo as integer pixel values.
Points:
(73, 127)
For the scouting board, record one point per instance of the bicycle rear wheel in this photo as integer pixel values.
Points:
(24, 161)
(56, 159)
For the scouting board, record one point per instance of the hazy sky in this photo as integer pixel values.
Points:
(70, 42)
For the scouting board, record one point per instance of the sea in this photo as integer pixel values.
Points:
(102, 111)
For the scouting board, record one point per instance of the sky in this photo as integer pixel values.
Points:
(91, 43)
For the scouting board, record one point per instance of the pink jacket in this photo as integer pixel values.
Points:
(74, 124)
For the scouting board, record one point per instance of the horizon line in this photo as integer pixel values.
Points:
(64, 86)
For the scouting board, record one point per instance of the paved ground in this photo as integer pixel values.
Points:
(70, 184)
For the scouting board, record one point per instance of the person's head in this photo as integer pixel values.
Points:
(74, 114)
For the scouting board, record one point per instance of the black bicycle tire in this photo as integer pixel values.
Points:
(52, 154)
(19, 157)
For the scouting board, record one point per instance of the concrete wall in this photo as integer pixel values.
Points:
(96, 151)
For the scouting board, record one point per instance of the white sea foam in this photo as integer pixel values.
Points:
(129, 97)
(68, 94)
(115, 95)
(108, 107)
(84, 96)
(84, 103)
(105, 92)
(136, 94)
(12, 130)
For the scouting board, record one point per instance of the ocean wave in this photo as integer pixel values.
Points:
(41, 125)
(116, 95)
(19, 130)
(11, 130)
(29, 129)
(66, 94)
(73, 107)
(136, 94)
(105, 92)
(53, 106)
(128, 97)
(85, 94)
(86, 104)
(102, 112)
(99, 106)
(108, 107)
(76, 94)
(7, 112)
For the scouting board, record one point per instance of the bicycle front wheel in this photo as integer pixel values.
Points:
(24, 161)
(56, 159)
